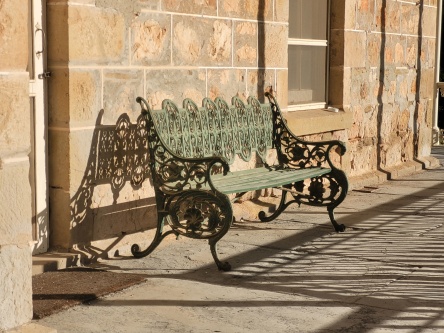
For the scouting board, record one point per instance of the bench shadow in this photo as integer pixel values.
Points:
(112, 201)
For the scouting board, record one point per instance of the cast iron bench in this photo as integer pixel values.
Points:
(191, 149)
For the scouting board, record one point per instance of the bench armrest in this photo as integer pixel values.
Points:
(175, 173)
(296, 152)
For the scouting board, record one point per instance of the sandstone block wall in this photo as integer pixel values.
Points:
(15, 191)
(105, 53)
(382, 62)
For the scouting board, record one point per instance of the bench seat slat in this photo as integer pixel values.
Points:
(262, 178)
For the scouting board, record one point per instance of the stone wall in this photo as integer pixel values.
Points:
(105, 53)
(15, 191)
(382, 72)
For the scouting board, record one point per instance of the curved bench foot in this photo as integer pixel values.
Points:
(222, 266)
(282, 206)
(338, 227)
(135, 248)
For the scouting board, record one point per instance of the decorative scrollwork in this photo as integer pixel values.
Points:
(297, 153)
(320, 191)
(215, 129)
(199, 214)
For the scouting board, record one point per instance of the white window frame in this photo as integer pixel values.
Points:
(316, 43)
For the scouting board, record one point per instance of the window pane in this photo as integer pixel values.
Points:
(308, 19)
(306, 74)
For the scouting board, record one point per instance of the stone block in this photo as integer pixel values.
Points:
(281, 88)
(429, 21)
(337, 50)
(59, 163)
(248, 9)
(199, 7)
(75, 97)
(64, 212)
(120, 90)
(427, 83)
(15, 204)
(364, 85)
(281, 11)
(388, 14)
(343, 15)
(411, 55)
(362, 158)
(151, 39)
(227, 83)
(82, 159)
(259, 81)
(176, 85)
(409, 18)
(84, 97)
(16, 288)
(201, 41)
(429, 47)
(86, 34)
(58, 98)
(399, 50)
(15, 120)
(339, 87)
(149, 4)
(394, 50)
(355, 43)
(13, 35)
(365, 14)
(57, 33)
(245, 44)
(272, 39)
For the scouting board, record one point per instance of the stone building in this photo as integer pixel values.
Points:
(70, 72)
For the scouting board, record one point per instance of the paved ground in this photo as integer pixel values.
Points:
(384, 274)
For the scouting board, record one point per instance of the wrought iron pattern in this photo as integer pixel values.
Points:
(199, 214)
(216, 129)
(190, 143)
(293, 152)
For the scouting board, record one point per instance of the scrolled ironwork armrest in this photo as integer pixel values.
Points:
(173, 173)
(295, 152)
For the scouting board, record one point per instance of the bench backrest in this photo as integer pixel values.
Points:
(216, 128)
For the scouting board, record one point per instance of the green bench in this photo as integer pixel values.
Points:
(191, 149)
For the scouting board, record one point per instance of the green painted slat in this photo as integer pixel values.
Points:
(260, 174)
(261, 178)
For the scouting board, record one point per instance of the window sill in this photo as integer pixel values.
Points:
(317, 121)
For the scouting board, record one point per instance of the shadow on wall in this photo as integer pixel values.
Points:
(111, 201)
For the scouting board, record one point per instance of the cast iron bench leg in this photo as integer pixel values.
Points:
(135, 248)
(222, 266)
(282, 206)
(338, 227)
